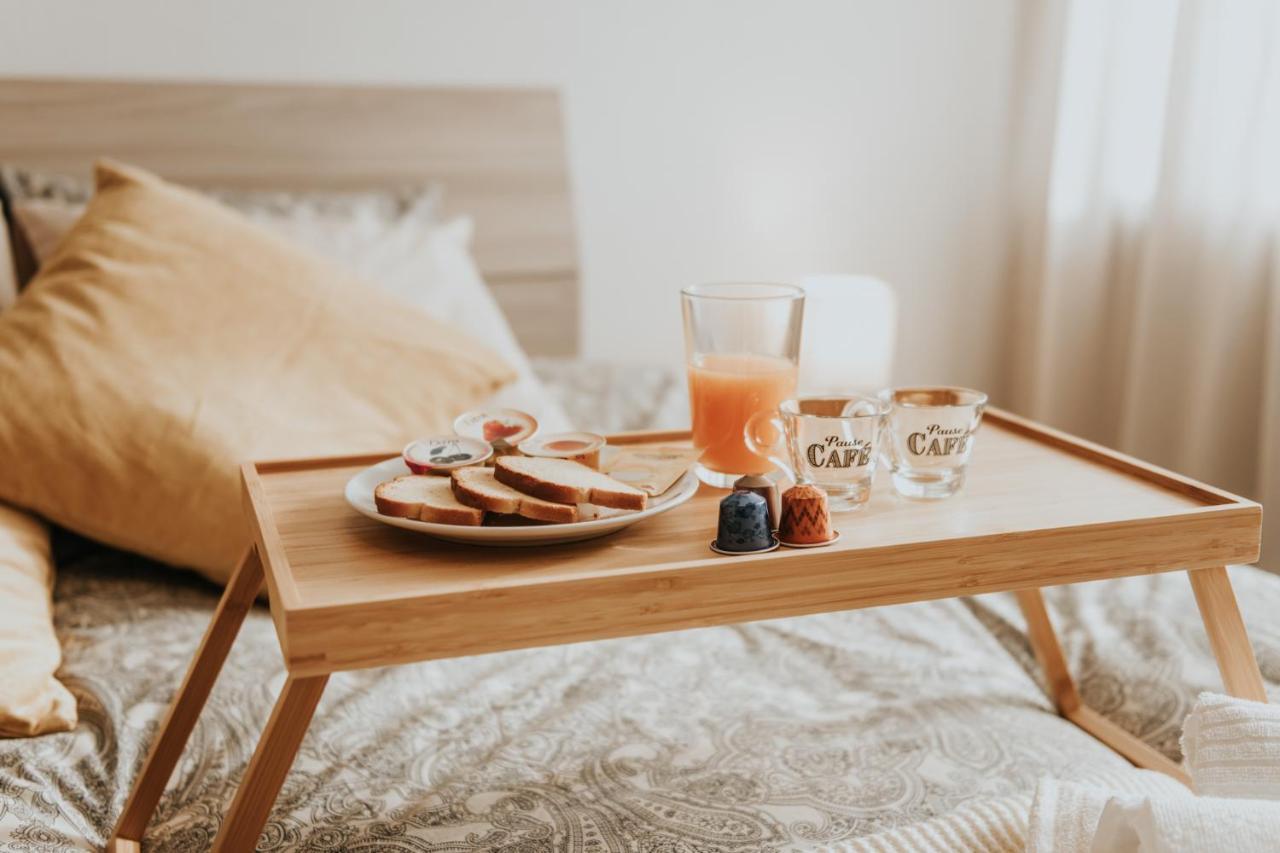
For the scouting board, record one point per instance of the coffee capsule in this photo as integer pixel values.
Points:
(806, 519)
(767, 489)
(744, 525)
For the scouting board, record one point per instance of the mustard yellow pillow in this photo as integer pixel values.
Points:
(32, 701)
(168, 339)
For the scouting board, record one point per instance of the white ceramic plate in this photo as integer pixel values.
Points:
(359, 494)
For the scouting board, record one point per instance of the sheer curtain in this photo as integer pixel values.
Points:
(1146, 276)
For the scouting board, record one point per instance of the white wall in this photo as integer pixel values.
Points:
(708, 140)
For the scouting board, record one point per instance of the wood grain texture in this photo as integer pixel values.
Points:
(1112, 458)
(1227, 637)
(1034, 513)
(500, 154)
(1062, 689)
(281, 592)
(1131, 747)
(1048, 652)
(277, 747)
(189, 701)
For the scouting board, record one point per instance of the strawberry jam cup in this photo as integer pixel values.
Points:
(502, 429)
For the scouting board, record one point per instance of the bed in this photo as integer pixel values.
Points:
(905, 727)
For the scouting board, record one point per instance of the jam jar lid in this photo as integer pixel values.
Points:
(498, 427)
(444, 453)
(564, 445)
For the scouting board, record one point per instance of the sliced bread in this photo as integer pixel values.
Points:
(565, 481)
(425, 497)
(477, 487)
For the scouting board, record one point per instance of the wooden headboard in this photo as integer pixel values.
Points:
(499, 153)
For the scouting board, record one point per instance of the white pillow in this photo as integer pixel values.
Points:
(411, 254)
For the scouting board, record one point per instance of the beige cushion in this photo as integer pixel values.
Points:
(168, 339)
(8, 272)
(32, 701)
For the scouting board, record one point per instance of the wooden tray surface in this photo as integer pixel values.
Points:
(1039, 508)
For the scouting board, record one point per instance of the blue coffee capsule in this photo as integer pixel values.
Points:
(744, 524)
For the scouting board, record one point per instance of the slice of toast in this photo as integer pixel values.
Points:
(426, 498)
(476, 487)
(567, 482)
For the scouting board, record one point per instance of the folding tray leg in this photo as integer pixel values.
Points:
(1240, 674)
(277, 747)
(1044, 642)
(187, 703)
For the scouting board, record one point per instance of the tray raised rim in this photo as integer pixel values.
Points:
(1074, 445)
(1217, 506)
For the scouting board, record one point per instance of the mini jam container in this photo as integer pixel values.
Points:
(581, 447)
(442, 454)
(503, 429)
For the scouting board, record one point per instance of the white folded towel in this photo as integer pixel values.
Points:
(1064, 815)
(1232, 748)
(1185, 822)
(1232, 752)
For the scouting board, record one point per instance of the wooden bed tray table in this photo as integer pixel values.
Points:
(1040, 508)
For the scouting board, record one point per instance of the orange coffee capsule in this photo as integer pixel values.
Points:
(805, 517)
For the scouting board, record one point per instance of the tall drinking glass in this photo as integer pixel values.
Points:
(742, 346)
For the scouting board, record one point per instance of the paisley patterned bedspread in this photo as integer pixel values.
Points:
(824, 732)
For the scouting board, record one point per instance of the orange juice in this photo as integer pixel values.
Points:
(725, 390)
